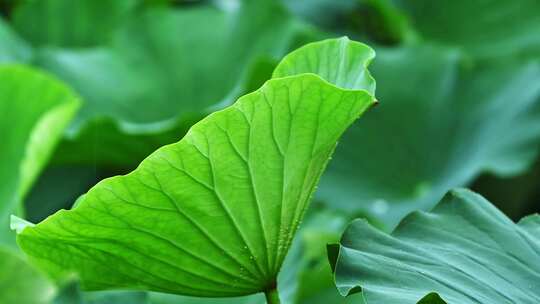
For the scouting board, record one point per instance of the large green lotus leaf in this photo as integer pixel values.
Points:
(68, 23)
(464, 251)
(215, 213)
(21, 283)
(34, 110)
(485, 29)
(12, 47)
(155, 78)
(305, 276)
(416, 145)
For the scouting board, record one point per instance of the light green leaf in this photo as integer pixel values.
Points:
(441, 122)
(464, 250)
(305, 278)
(68, 23)
(20, 283)
(339, 62)
(215, 213)
(34, 110)
(485, 29)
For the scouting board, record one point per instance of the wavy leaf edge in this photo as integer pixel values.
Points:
(367, 100)
(529, 223)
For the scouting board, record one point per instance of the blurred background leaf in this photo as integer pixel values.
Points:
(144, 84)
(485, 29)
(34, 110)
(20, 283)
(68, 23)
(459, 120)
(12, 47)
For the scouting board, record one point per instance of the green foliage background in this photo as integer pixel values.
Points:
(458, 84)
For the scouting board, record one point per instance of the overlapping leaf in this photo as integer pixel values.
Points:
(440, 123)
(143, 84)
(215, 214)
(34, 110)
(463, 251)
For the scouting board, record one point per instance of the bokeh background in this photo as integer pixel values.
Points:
(458, 84)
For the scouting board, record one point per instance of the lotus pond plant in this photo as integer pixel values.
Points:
(201, 152)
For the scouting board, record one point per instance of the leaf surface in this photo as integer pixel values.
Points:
(215, 214)
(463, 251)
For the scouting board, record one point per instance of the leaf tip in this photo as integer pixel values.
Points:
(18, 224)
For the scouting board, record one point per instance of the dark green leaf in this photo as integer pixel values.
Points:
(464, 250)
